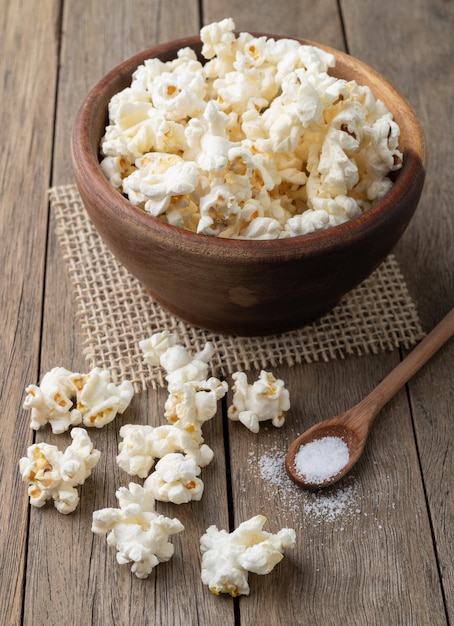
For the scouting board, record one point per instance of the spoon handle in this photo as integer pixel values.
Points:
(402, 373)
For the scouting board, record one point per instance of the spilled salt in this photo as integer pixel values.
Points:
(321, 459)
(315, 506)
(339, 505)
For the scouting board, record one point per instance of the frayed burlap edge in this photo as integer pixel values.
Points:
(115, 313)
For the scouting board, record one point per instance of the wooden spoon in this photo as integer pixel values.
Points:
(354, 425)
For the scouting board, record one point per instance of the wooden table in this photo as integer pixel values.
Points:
(389, 560)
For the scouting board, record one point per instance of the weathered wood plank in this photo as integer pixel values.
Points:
(318, 21)
(412, 44)
(373, 562)
(74, 575)
(394, 572)
(28, 66)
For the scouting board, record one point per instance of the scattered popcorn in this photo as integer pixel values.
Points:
(180, 446)
(192, 396)
(98, 398)
(139, 534)
(155, 346)
(65, 399)
(266, 399)
(227, 558)
(142, 445)
(136, 455)
(52, 401)
(258, 142)
(162, 349)
(193, 403)
(51, 473)
(175, 479)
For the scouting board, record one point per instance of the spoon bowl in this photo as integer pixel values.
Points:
(328, 428)
(353, 426)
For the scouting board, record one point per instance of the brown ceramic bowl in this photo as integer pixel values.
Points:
(235, 286)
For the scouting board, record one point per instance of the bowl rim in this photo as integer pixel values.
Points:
(89, 175)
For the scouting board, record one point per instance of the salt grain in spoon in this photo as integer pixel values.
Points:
(321, 459)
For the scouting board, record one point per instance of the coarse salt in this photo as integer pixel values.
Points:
(321, 459)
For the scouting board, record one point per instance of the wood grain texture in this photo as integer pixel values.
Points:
(106, 589)
(28, 66)
(387, 557)
(426, 252)
(294, 18)
(342, 569)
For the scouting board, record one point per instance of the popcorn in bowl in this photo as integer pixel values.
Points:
(259, 141)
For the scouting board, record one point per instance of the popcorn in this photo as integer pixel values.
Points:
(52, 401)
(158, 178)
(218, 210)
(262, 228)
(98, 398)
(193, 403)
(65, 399)
(139, 534)
(162, 349)
(52, 474)
(136, 456)
(308, 222)
(178, 94)
(338, 172)
(179, 445)
(142, 445)
(115, 168)
(266, 399)
(194, 143)
(155, 346)
(218, 38)
(208, 139)
(227, 558)
(175, 479)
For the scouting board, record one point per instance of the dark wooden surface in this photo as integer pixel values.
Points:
(386, 561)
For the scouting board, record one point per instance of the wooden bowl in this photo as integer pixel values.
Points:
(245, 287)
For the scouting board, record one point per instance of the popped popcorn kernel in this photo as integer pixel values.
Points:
(52, 401)
(54, 475)
(143, 444)
(65, 399)
(162, 349)
(266, 399)
(193, 403)
(98, 399)
(172, 135)
(227, 558)
(138, 533)
(175, 479)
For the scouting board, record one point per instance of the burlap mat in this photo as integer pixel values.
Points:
(115, 313)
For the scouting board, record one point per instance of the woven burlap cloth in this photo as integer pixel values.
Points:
(115, 313)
